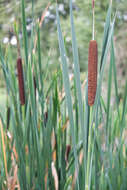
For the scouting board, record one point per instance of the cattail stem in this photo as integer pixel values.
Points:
(21, 81)
(93, 30)
(92, 72)
(88, 155)
(23, 114)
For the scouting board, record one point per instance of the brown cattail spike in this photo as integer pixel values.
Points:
(68, 149)
(21, 81)
(93, 3)
(8, 117)
(92, 72)
(35, 85)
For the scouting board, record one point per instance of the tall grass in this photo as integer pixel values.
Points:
(55, 140)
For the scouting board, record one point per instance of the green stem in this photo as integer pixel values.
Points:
(23, 113)
(88, 161)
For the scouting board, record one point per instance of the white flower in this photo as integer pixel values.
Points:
(13, 41)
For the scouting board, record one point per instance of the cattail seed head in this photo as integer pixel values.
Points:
(92, 71)
(35, 85)
(8, 117)
(93, 3)
(21, 81)
(45, 118)
(68, 149)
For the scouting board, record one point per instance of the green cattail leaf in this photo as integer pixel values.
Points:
(109, 89)
(76, 68)
(24, 32)
(115, 79)
(106, 33)
(124, 106)
(67, 87)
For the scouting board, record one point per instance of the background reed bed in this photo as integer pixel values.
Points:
(56, 140)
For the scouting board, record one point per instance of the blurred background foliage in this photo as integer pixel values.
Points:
(10, 12)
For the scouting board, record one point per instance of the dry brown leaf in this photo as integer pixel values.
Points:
(46, 175)
(81, 157)
(40, 23)
(74, 180)
(55, 176)
(4, 148)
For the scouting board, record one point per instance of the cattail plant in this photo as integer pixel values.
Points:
(21, 81)
(92, 67)
(92, 85)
